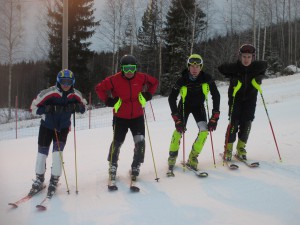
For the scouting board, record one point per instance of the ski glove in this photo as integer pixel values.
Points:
(110, 102)
(178, 123)
(75, 107)
(147, 96)
(213, 121)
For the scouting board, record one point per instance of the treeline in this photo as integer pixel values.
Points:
(28, 78)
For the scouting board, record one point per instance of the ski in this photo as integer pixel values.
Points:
(229, 164)
(133, 186)
(24, 199)
(197, 172)
(44, 203)
(249, 164)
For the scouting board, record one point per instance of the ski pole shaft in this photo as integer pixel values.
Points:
(210, 134)
(152, 110)
(76, 174)
(263, 100)
(156, 178)
(61, 160)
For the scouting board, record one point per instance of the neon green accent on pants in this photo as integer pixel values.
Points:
(240, 144)
(200, 141)
(175, 142)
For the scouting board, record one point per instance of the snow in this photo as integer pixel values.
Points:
(265, 195)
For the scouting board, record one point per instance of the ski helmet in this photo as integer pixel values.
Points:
(65, 77)
(195, 59)
(247, 48)
(128, 60)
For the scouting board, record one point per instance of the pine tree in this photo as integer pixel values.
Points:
(81, 27)
(148, 39)
(182, 18)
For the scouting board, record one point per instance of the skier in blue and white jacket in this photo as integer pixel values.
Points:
(56, 105)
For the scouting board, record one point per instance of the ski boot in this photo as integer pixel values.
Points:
(52, 186)
(171, 163)
(240, 150)
(228, 153)
(38, 184)
(135, 171)
(192, 161)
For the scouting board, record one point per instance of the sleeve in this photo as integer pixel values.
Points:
(102, 88)
(227, 69)
(38, 104)
(215, 94)
(77, 95)
(261, 67)
(152, 84)
(173, 97)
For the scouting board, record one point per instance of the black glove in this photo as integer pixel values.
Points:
(213, 121)
(74, 107)
(49, 109)
(178, 123)
(147, 95)
(110, 102)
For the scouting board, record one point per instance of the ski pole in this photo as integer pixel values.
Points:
(183, 93)
(257, 86)
(76, 174)
(152, 110)
(61, 160)
(143, 102)
(205, 89)
(151, 146)
(235, 90)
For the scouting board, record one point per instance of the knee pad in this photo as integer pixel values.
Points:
(202, 125)
(40, 165)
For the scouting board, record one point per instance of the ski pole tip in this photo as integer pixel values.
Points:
(157, 179)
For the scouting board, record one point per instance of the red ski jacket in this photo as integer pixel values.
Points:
(128, 90)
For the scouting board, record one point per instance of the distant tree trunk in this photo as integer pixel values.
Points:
(264, 44)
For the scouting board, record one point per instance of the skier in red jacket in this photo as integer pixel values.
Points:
(128, 89)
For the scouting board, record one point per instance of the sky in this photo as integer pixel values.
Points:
(265, 195)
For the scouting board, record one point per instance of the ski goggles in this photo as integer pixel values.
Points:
(195, 61)
(129, 68)
(66, 82)
(247, 49)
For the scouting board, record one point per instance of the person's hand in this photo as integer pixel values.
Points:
(213, 121)
(110, 102)
(147, 95)
(179, 125)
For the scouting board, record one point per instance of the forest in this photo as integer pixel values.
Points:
(160, 33)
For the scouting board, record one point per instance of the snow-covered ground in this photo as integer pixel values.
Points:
(265, 195)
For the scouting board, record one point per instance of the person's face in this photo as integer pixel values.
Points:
(65, 87)
(246, 59)
(129, 71)
(194, 70)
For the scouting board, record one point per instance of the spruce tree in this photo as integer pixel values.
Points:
(81, 27)
(181, 20)
(148, 39)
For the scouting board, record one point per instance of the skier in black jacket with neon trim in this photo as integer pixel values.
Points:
(190, 86)
(242, 97)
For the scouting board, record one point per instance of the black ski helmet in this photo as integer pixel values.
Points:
(247, 48)
(128, 60)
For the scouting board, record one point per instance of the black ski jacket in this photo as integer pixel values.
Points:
(245, 74)
(195, 96)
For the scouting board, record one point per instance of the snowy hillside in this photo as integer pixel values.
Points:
(265, 195)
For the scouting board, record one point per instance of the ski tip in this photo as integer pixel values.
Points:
(14, 205)
(41, 207)
(254, 164)
(112, 187)
(134, 189)
(203, 174)
(233, 166)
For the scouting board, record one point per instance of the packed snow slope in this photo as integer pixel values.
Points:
(265, 195)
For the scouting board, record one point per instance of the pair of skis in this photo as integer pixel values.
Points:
(42, 206)
(231, 165)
